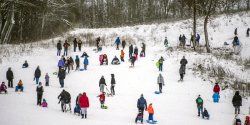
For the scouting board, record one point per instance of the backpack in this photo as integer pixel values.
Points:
(199, 100)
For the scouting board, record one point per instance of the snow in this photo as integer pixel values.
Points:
(176, 105)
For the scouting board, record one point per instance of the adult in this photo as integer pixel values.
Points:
(199, 102)
(235, 31)
(197, 39)
(136, 52)
(183, 63)
(79, 45)
(10, 77)
(64, 99)
(236, 44)
(61, 76)
(3, 88)
(66, 46)
(25, 65)
(71, 63)
(123, 44)
(143, 49)
(37, 74)
(160, 82)
(84, 54)
(180, 40)
(183, 40)
(98, 39)
(161, 63)
(61, 63)
(166, 42)
(237, 102)
(112, 88)
(117, 42)
(77, 61)
(67, 65)
(84, 104)
(182, 72)
(248, 30)
(59, 48)
(39, 90)
(75, 44)
(77, 98)
(141, 104)
(131, 50)
(132, 59)
(85, 63)
(216, 88)
(102, 84)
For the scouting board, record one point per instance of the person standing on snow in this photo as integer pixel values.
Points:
(160, 82)
(123, 44)
(199, 102)
(77, 61)
(131, 50)
(117, 42)
(183, 63)
(61, 63)
(61, 76)
(122, 55)
(59, 48)
(112, 88)
(136, 52)
(75, 44)
(10, 77)
(37, 74)
(197, 39)
(160, 63)
(216, 88)
(102, 99)
(237, 102)
(182, 72)
(141, 104)
(166, 42)
(143, 49)
(64, 99)
(86, 62)
(84, 104)
(79, 44)
(102, 84)
(98, 39)
(47, 79)
(39, 90)
(66, 46)
(248, 30)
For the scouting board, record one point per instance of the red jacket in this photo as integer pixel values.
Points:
(84, 101)
(217, 88)
(102, 97)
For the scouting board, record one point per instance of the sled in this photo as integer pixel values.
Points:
(151, 122)
(54, 73)
(81, 69)
(157, 64)
(104, 107)
(157, 92)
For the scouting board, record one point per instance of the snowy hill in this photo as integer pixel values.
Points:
(176, 105)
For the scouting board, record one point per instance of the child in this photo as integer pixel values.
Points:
(205, 114)
(139, 117)
(3, 88)
(102, 99)
(19, 86)
(47, 79)
(122, 55)
(247, 121)
(44, 103)
(25, 65)
(237, 120)
(216, 97)
(150, 110)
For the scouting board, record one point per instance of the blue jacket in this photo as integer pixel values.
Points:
(61, 63)
(216, 97)
(117, 41)
(86, 61)
(198, 37)
(141, 103)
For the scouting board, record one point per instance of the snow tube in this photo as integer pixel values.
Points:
(156, 92)
(81, 69)
(157, 64)
(151, 122)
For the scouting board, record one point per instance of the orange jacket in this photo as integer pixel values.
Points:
(150, 109)
(122, 53)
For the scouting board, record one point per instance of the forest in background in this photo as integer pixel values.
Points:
(23, 21)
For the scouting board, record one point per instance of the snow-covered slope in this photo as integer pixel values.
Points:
(175, 106)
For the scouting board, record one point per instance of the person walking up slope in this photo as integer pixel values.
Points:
(37, 74)
(141, 104)
(199, 102)
(102, 84)
(237, 102)
(84, 104)
(102, 100)
(86, 62)
(39, 90)
(59, 48)
(150, 110)
(160, 63)
(160, 82)
(112, 88)
(117, 42)
(10, 77)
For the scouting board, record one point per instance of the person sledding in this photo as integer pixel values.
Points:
(25, 65)
(64, 99)
(205, 114)
(247, 121)
(44, 103)
(237, 120)
(236, 45)
(102, 100)
(139, 117)
(102, 84)
(3, 88)
(150, 110)
(19, 86)
(103, 59)
(115, 61)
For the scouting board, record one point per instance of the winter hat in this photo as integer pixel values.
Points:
(199, 95)
(112, 75)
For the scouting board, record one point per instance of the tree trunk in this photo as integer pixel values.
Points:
(194, 24)
(206, 34)
(248, 4)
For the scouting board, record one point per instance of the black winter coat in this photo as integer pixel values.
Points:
(64, 96)
(37, 73)
(39, 89)
(131, 49)
(141, 103)
(184, 62)
(75, 42)
(113, 80)
(102, 81)
(59, 46)
(9, 75)
(61, 74)
(237, 100)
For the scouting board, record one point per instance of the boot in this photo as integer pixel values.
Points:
(82, 116)
(85, 116)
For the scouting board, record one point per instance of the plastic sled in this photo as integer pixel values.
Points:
(151, 122)
(104, 107)
(54, 73)
(81, 69)
(157, 92)
(157, 64)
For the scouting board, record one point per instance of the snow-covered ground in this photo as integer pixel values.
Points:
(175, 106)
